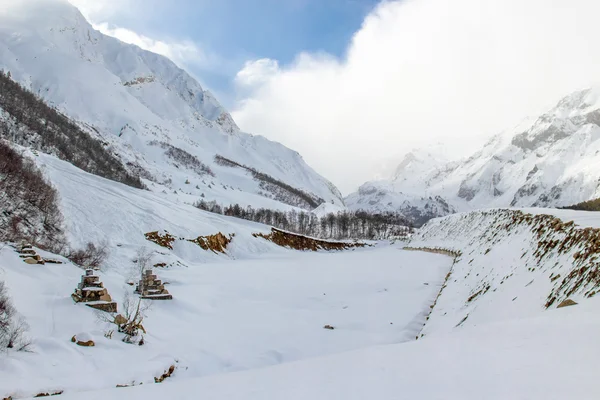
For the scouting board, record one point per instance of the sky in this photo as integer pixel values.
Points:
(353, 85)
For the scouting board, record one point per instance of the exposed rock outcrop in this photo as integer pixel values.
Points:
(300, 242)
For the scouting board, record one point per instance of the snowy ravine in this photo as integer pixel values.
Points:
(513, 263)
(148, 112)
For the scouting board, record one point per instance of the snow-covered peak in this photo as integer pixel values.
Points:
(146, 75)
(545, 161)
(146, 108)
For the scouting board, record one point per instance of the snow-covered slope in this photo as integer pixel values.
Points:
(513, 264)
(269, 307)
(550, 357)
(254, 306)
(145, 109)
(545, 162)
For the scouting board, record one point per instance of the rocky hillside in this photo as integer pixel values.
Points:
(511, 264)
(149, 113)
(545, 162)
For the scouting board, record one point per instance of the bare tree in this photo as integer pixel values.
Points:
(141, 263)
(91, 256)
(129, 321)
(12, 326)
(134, 312)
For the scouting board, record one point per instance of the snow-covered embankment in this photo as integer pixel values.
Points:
(513, 264)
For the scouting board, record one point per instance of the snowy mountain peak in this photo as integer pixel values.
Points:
(155, 117)
(144, 74)
(543, 162)
(417, 161)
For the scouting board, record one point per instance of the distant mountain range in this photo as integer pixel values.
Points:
(549, 161)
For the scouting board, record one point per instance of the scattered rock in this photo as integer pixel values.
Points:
(216, 243)
(566, 303)
(83, 339)
(45, 394)
(166, 375)
(164, 240)
(120, 320)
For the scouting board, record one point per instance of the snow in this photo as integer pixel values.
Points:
(130, 98)
(548, 357)
(327, 208)
(249, 323)
(547, 161)
(225, 316)
(504, 261)
(255, 306)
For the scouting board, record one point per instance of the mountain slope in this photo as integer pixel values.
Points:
(545, 162)
(140, 104)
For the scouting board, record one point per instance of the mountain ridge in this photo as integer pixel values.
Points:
(130, 98)
(542, 162)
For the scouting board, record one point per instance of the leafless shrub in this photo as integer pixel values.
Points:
(13, 327)
(134, 310)
(129, 321)
(91, 256)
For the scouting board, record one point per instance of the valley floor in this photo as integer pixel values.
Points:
(553, 356)
(225, 316)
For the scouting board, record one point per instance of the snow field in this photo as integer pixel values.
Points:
(225, 316)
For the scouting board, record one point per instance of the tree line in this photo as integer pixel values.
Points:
(342, 225)
(280, 191)
(28, 203)
(35, 124)
(590, 205)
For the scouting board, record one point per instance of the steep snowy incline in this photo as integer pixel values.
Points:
(513, 264)
(154, 116)
(552, 357)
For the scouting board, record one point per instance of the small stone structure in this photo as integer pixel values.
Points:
(93, 293)
(152, 288)
(28, 254)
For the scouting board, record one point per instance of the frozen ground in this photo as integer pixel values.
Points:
(225, 316)
(553, 356)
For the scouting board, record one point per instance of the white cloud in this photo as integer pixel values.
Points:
(101, 9)
(419, 72)
(183, 53)
(256, 73)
